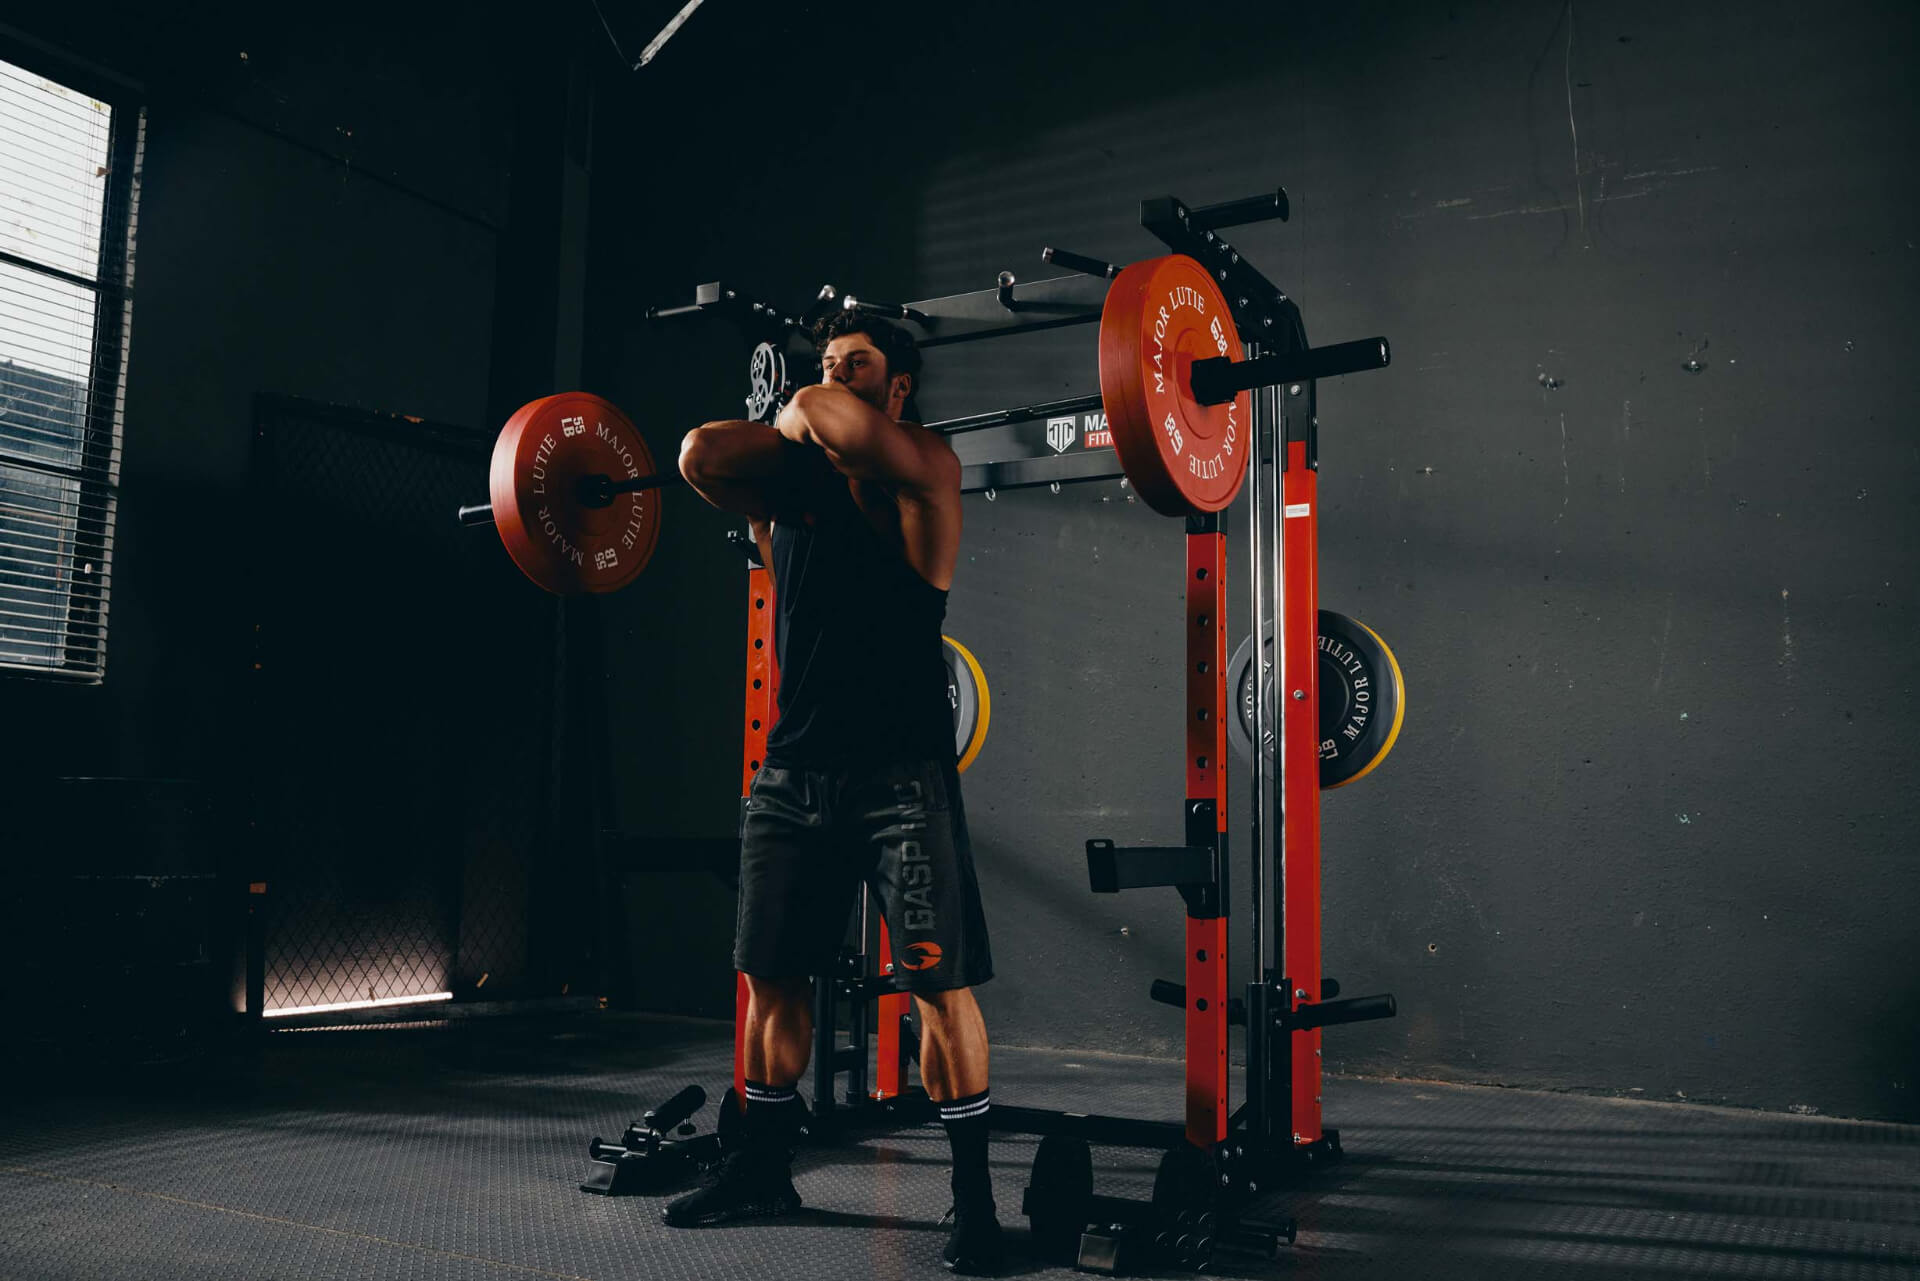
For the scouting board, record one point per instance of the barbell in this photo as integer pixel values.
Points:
(575, 493)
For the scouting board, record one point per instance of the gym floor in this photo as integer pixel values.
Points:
(453, 1150)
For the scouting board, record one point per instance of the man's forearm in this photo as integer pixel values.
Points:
(738, 451)
(750, 468)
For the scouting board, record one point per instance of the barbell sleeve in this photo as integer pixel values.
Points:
(1232, 213)
(1219, 380)
(477, 514)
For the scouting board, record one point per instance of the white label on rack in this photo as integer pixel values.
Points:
(1299, 509)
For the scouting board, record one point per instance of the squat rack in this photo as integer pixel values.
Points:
(1219, 1156)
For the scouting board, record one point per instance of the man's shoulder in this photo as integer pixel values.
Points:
(938, 451)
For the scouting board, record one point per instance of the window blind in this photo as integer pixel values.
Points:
(68, 177)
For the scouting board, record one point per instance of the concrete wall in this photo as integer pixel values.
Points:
(1634, 504)
(1648, 827)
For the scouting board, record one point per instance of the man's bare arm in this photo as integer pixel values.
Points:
(747, 467)
(865, 444)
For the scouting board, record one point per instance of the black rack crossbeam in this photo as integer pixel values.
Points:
(1011, 308)
(1025, 473)
(716, 297)
(1017, 414)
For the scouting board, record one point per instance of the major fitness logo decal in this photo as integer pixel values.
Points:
(1090, 428)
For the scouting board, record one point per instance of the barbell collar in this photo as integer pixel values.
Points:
(1232, 213)
(1219, 380)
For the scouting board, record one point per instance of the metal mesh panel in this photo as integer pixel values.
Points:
(404, 686)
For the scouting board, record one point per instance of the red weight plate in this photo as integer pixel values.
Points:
(558, 541)
(1161, 315)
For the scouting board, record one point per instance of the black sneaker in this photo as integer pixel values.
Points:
(748, 1184)
(975, 1247)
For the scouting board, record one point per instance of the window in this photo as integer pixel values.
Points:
(68, 177)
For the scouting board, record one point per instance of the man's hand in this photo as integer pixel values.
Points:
(864, 444)
(795, 420)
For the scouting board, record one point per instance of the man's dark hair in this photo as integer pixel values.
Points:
(893, 342)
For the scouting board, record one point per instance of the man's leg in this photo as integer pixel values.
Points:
(953, 1044)
(953, 1067)
(779, 1042)
(779, 1030)
(756, 1177)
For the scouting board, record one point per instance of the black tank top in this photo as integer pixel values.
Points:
(863, 677)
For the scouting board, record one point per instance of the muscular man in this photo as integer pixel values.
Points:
(857, 514)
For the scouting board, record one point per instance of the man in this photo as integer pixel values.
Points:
(857, 514)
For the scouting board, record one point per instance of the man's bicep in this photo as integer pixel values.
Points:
(903, 459)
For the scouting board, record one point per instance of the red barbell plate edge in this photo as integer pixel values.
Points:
(515, 512)
(1126, 371)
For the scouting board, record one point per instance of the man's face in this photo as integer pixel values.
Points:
(856, 364)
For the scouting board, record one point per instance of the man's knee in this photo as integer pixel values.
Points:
(946, 1003)
(784, 992)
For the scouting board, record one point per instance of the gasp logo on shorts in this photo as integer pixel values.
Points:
(925, 956)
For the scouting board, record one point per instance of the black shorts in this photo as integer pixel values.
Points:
(809, 837)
